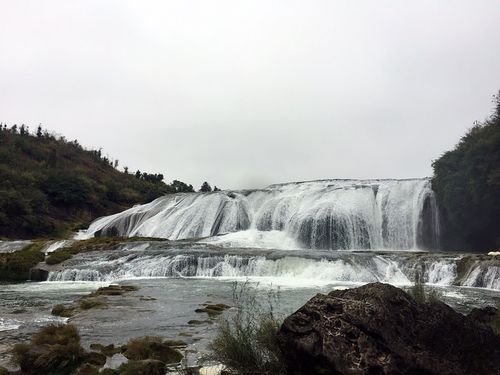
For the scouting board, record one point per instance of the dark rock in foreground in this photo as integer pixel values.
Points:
(379, 329)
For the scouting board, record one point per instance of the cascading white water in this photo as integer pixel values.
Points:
(137, 261)
(329, 214)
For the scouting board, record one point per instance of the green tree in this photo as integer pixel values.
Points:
(467, 183)
(205, 187)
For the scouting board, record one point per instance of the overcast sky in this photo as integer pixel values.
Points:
(248, 93)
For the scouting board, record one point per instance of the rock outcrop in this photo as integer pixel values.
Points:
(380, 329)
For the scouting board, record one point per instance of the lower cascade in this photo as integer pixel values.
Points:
(327, 214)
(293, 268)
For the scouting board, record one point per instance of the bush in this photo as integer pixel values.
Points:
(90, 303)
(246, 342)
(467, 184)
(54, 350)
(419, 294)
(63, 311)
(57, 257)
(153, 348)
(16, 266)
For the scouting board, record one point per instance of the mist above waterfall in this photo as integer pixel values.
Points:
(327, 214)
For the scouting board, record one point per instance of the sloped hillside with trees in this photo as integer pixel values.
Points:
(49, 185)
(467, 183)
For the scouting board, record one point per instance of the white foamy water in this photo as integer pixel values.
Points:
(12, 246)
(485, 277)
(253, 238)
(291, 270)
(330, 214)
(9, 324)
(56, 245)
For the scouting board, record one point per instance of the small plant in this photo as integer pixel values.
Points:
(246, 341)
(419, 294)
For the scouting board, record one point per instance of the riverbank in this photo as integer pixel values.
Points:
(161, 308)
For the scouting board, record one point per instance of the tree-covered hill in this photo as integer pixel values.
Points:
(467, 183)
(49, 185)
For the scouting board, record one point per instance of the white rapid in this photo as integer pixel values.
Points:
(329, 214)
(295, 267)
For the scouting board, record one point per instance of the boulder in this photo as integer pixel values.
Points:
(380, 329)
(39, 274)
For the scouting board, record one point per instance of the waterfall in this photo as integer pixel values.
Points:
(278, 268)
(327, 214)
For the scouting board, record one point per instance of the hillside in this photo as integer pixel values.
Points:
(467, 184)
(49, 185)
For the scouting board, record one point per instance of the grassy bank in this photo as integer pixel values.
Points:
(16, 266)
(93, 244)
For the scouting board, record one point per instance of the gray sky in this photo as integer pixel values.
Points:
(247, 93)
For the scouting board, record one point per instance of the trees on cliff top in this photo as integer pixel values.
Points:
(467, 183)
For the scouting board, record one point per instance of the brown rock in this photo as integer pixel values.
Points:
(379, 329)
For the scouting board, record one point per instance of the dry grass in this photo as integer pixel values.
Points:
(151, 347)
(55, 350)
(419, 294)
(246, 342)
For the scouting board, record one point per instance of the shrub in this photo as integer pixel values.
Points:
(16, 266)
(57, 257)
(90, 303)
(54, 350)
(151, 348)
(63, 311)
(246, 341)
(419, 294)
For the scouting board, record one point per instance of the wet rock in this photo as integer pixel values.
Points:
(144, 367)
(108, 350)
(115, 361)
(379, 329)
(212, 309)
(151, 348)
(39, 274)
(95, 358)
(87, 369)
(19, 311)
(488, 316)
(63, 311)
(484, 315)
(195, 322)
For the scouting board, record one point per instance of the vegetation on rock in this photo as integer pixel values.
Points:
(54, 350)
(92, 244)
(421, 295)
(16, 266)
(96, 299)
(152, 348)
(467, 184)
